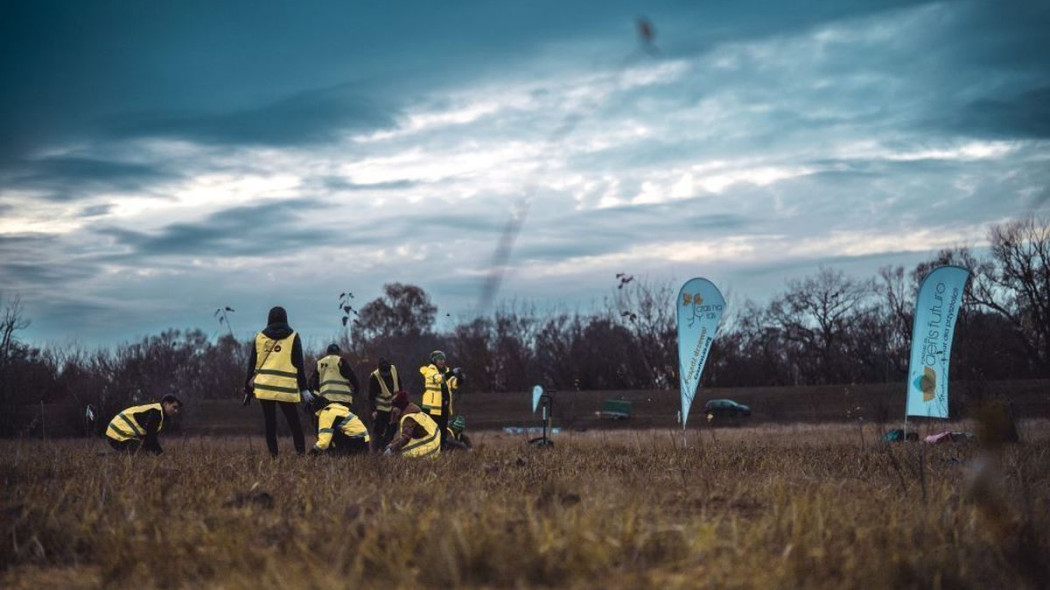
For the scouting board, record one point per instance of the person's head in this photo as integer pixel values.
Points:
(458, 424)
(333, 349)
(438, 358)
(171, 404)
(398, 404)
(384, 366)
(277, 316)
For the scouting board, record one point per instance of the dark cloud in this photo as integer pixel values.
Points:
(617, 229)
(308, 117)
(239, 231)
(1026, 115)
(95, 210)
(70, 178)
(50, 273)
(336, 183)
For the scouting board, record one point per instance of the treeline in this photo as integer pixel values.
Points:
(823, 329)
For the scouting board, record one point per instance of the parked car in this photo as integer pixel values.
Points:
(725, 411)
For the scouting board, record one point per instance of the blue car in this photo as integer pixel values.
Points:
(725, 410)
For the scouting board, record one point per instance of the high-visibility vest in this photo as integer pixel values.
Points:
(337, 417)
(276, 378)
(124, 426)
(429, 445)
(334, 387)
(436, 384)
(385, 395)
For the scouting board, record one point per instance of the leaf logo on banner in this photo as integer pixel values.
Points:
(927, 383)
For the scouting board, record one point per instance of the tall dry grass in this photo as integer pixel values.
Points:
(813, 507)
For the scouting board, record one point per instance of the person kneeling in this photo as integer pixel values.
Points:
(339, 431)
(418, 435)
(456, 439)
(138, 426)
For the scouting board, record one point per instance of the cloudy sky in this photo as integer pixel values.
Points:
(161, 159)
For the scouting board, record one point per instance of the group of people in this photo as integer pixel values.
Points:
(277, 378)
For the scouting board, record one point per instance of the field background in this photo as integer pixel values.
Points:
(767, 506)
(869, 403)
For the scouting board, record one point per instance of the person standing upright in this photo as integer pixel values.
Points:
(440, 383)
(335, 378)
(383, 383)
(277, 377)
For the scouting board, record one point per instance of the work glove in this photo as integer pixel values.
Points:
(247, 398)
(307, 396)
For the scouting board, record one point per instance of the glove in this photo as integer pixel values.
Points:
(457, 372)
(387, 451)
(247, 398)
(307, 396)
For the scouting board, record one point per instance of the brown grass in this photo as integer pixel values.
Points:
(766, 507)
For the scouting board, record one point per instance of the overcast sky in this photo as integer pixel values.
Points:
(161, 159)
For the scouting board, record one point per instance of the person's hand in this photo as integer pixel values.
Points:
(307, 396)
(314, 451)
(457, 371)
(247, 398)
(387, 451)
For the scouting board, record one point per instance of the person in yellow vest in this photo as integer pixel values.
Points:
(418, 433)
(334, 378)
(137, 427)
(439, 383)
(456, 439)
(339, 430)
(277, 378)
(382, 384)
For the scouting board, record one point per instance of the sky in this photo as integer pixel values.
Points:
(161, 159)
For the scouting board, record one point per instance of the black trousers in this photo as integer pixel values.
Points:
(442, 422)
(291, 415)
(125, 446)
(383, 430)
(344, 445)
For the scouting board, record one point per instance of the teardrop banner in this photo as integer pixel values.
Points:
(700, 305)
(936, 309)
(537, 393)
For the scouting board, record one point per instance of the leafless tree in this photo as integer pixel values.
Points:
(815, 313)
(1016, 284)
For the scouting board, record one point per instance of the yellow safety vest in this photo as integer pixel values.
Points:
(124, 426)
(433, 379)
(276, 378)
(386, 396)
(427, 446)
(334, 387)
(335, 417)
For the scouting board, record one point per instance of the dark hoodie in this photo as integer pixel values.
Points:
(277, 328)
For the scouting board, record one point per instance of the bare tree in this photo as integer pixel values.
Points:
(12, 321)
(646, 309)
(815, 313)
(1016, 284)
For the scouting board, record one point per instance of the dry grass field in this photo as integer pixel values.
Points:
(770, 506)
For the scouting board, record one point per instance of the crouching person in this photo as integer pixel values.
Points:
(418, 434)
(138, 426)
(456, 439)
(339, 431)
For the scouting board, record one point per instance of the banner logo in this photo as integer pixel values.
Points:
(927, 383)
